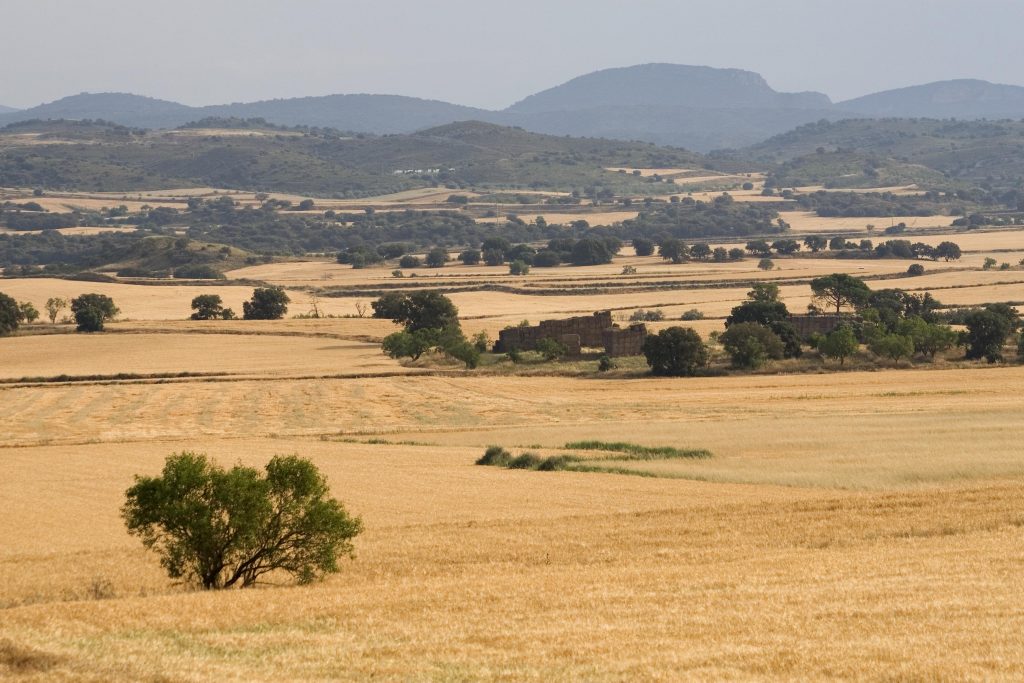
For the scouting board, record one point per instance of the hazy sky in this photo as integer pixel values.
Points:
(487, 53)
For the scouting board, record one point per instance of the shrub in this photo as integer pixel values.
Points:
(692, 314)
(219, 528)
(676, 351)
(470, 257)
(437, 257)
(495, 456)
(643, 247)
(766, 264)
(409, 261)
(988, 263)
(653, 315)
(547, 258)
(750, 345)
(605, 363)
(915, 269)
(551, 349)
(518, 268)
(198, 272)
(894, 346)
(482, 341)
(526, 461)
(838, 344)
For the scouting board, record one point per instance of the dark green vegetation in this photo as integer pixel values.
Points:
(218, 528)
(936, 154)
(267, 303)
(92, 311)
(11, 315)
(675, 352)
(114, 158)
(496, 456)
(688, 218)
(431, 321)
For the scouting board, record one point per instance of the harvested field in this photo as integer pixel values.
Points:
(811, 223)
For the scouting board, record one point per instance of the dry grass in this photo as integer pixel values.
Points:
(810, 223)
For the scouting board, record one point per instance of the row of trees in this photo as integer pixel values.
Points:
(89, 311)
(267, 303)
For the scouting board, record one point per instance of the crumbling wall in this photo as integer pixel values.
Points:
(807, 325)
(625, 342)
(590, 330)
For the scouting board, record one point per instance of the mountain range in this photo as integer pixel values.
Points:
(695, 107)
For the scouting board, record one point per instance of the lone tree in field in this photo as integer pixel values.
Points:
(840, 289)
(54, 305)
(219, 528)
(11, 315)
(987, 330)
(839, 344)
(92, 311)
(675, 352)
(267, 303)
(208, 307)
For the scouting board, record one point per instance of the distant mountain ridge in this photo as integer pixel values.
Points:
(696, 107)
(6, 110)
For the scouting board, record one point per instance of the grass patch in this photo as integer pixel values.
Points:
(632, 451)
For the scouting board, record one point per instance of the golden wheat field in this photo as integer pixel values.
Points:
(853, 524)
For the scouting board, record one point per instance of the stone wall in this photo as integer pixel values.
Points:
(625, 342)
(590, 330)
(806, 325)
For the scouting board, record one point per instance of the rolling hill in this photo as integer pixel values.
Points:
(7, 110)
(960, 99)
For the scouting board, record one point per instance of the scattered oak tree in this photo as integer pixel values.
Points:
(11, 315)
(675, 352)
(839, 344)
(267, 303)
(92, 311)
(210, 307)
(219, 528)
(54, 305)
(750, 345)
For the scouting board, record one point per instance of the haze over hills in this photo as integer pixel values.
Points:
(6, 110)
(699, 108)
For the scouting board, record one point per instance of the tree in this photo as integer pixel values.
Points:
(988, 263)
(10, 315)
(675, 352)
(948, 251)
(306, 205)
(987, 331)
(840, 289)
(92, 311)
(736, 254)
(928, 338)
(54, 305)
(409, 261)
(766, 264)
(786, 246)
(720, 255)
(518, 268)
(418, 311)
(409, 344)
(29, 311)
(839, 344)
(766, 292)
(673, 250)
(700, 251)
(760, 312)
(470, 257)
(915, 269)
(267, 303)
(207, 307)
(894, 346)
(759, 248)
(590, 252)
(815, 243)
(437, 257)
(750, 345)
(220, 528)
(643, 247)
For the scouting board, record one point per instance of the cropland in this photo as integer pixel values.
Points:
(858, 521)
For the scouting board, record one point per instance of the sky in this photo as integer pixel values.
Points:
(487, 53)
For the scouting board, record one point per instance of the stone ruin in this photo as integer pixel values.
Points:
(807, 325)
(590, 331)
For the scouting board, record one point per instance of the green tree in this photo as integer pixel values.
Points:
(643, 247)
(470, 257)
(437, 257)
(11, 315)
(815, 243)
(551, 349)
(390, 306)
(894, 346)
(766, 264)
(750, 345)
(928, 338)
(948, 251)
(518, 268)
(840, 289)
(988, 263)
(766, 292)
(701, 251)
(987, 331)
(267, 303)
(673, 250)
(54, 305)
(427, 310)
(207, 307)
(675, 352)
(590, 252)
(759, 248)
(839, 344)
(92, 311)
(409, 261)
(29, 311)
(219, 528)
(409, 344)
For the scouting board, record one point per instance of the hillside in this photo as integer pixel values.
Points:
(900, 151)
(961, 99)
(122, 108)
(7, 110)
(102, 157)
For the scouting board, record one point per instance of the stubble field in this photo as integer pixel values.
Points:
(856, 525)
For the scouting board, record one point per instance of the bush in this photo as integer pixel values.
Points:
(643, 247)
(915, 269)
(267, 303)
(546, 258)
(219, 528)
(198, 272)
(894, 346)
(437, 257)
(675, 352)
(470, 257)
(518, 268)
(495, 456)
(692, 314)
(605, 363)
(750, 345)
(409, 261)
(766, 264)
(526, 461)
(551, 349)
